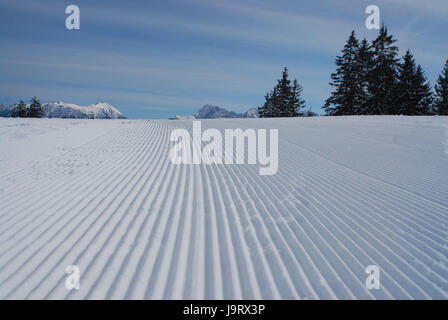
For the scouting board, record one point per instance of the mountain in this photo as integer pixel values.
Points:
(251, 113)
(5, 110)
(214, 112)
(101, 110)
(177, 117)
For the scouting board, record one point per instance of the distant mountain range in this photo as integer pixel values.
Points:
(214, 112)
(101, 110)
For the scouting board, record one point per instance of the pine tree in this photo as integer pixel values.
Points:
(270, 107)
(263, 111)
(296, 103)
(345, 99)
(405, 90)
(35, 110)
(441, 92)
(412, 91)
(20, 110)
(284, 95)
(284, 100)
(424, 95)
(381, 78)
(364, 65)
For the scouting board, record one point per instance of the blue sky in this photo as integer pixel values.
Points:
(156, 59)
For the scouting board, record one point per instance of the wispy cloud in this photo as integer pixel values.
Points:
(153, 58)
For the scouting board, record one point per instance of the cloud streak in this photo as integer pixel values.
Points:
(156, 57)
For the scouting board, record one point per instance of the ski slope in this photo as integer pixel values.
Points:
(103, 195)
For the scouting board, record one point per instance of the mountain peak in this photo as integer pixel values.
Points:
(209, 111)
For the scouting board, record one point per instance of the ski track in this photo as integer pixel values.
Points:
(350, 192)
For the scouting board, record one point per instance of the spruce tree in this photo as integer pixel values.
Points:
(284, 95)
(20, 110)
(424, 95)
(441, 92)
(284, 100)
(263, 111)
(35, 109)
(381, 78)
(267, 110)
(275, 103)
(296, 103)
(412, 91)
(405, 89)
(345, 98)
(364, 65)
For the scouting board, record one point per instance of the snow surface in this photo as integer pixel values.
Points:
(350, 192)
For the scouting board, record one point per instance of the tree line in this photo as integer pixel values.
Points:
(369, 79)
(21, 110)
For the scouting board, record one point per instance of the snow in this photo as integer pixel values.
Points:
(26, 142)
(251, 113)
(214, 112)
(101, 110)
(103, 195)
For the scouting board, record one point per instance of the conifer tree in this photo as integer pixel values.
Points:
(345, 98)
(424, 95)
(296, 103)
(405, 90)
(441, 92)
(267, 110)
(275, 103)
(412, 91)
(381, 78)
(364, 65)
(20, 110)
(284, 100)
(263, 111)
(35, 109)
(284, 95)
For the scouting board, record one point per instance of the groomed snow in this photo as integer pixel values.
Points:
(102, 194)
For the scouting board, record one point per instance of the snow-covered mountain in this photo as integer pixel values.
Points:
(5, 110)
(101, 110)
(251, 113)
(213, 112)
(177, 117)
